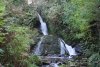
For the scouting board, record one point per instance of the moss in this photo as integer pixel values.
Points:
(35, 59)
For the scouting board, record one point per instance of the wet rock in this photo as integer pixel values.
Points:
(51, 45)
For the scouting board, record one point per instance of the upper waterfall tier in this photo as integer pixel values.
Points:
(43, 26)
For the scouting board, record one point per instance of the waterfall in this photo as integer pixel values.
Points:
(38, 49)
(62, 47)
(70, 50)
(67, 48)
(43, 26)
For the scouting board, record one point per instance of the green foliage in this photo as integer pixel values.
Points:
(1, 22)
(2, 9)
(94, 60)
(3, 34)
(21, 40)
(78, 14)
(18, 12)
(16, 51)
(35, 59)
(1, 39)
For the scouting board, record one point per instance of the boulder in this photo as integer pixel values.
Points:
(49, 45)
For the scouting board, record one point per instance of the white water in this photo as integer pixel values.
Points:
(29, 2)
(43, 26)
(51, 65)
(62, 47)
(38, 50)
(67, 48)
(70, 50)
(54, 65)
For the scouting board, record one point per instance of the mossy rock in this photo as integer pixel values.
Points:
(50, 45)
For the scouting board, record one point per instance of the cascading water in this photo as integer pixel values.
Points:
(64, 48)
(67, 48)
(43, 26)
(54, 65)
(70, 50)
(38, 50)
(63, 45)
(44, 30)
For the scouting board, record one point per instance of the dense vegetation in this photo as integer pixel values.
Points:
(76, 21)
